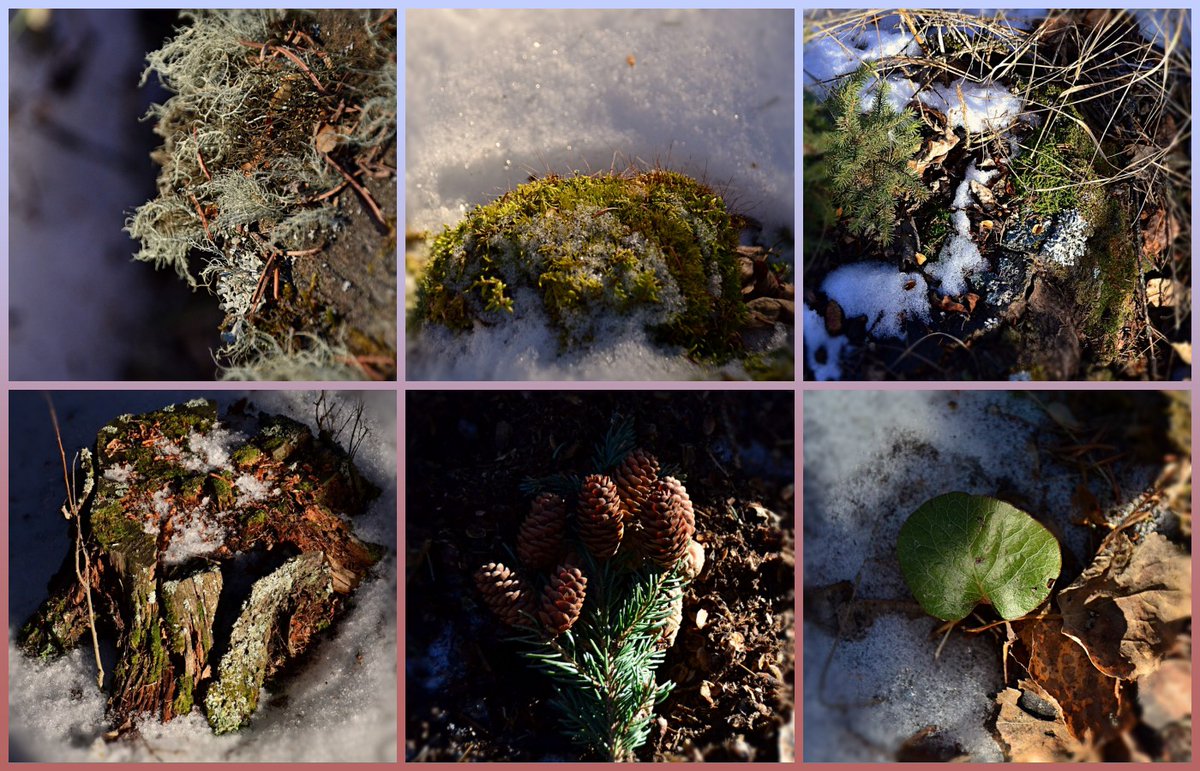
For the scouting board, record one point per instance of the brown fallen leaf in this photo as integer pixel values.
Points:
(921, 259)
(983, 194)
(934, 151)
(1129, 605)
(950, 306)
(972, 301)
(834, 318)
(1090, 705)
(1032, 738)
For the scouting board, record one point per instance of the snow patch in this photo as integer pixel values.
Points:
(818, 340)
(210, 452)
(960, 256)
(120, 474)
(832, 56)
(978, 107)
(253, 489)
(887, 297)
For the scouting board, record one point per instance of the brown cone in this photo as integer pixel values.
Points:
(542, 538)
(504, 593)
(693, 566)
(667, 528)
(678, 490)
(634, 479)
(562, 599)
(600, 523)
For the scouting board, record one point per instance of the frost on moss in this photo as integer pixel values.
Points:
(265, 105)
(655, 248)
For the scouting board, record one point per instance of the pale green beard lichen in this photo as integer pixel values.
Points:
(245, 172)
(591, 253)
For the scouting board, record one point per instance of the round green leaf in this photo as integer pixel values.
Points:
(958, 550)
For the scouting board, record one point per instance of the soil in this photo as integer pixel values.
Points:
(469, 695)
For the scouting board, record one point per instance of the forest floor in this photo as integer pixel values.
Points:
(469, 696)
(1032, 217)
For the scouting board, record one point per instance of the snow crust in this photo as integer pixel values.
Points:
(340, 707)
(878, 291)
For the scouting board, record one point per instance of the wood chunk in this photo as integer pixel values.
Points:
(301, 587)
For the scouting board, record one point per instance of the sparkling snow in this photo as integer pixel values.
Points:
(960, 256)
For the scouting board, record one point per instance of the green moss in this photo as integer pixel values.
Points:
(183, 698)
(584, 247)
(1112, 263)
(1052, 172)
(221, 489)
(246, 455)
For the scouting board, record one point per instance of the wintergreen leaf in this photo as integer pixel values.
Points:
(957, 550)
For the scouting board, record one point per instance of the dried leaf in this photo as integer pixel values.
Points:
(1166, 293)
(1089, 703)
(950, 306)
(921, 259)
(1184, 352)
(934, 151)
(1028, 738)
(1130, 604)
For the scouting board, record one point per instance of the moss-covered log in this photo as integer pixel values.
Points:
(186, 508)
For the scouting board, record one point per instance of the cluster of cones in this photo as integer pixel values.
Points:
(634, 514)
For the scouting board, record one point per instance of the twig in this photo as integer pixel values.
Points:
(199, 157)
(362, 191)
(74, 506)
(200, 211)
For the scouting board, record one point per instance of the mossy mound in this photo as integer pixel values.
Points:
(592, 253)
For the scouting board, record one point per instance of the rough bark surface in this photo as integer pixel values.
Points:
(191, 516)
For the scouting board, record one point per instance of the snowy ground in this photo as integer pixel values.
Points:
(870, 459)
(340, 707)
(495, 96)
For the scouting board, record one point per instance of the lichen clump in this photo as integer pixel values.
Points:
(595, 254)
(271, 113)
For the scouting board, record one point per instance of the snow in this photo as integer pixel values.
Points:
(887, 297)
(210, 451)
(120, 474)
(870, 459)
(252, 488)
(960, 256)
(979, 107)
(340, 707)
(195, 533)
(831, 56)
(709, 93)
(818, 340)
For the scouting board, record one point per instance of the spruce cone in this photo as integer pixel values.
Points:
(600, 511)
(634, 478)
(563, 599)
(666, 522)
(679, 491)
(504, 593)
(542, 538)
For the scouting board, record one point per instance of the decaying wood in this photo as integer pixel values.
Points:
(178, 496)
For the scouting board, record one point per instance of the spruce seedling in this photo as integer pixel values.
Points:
(869, 154)
(601, 622)
(958, 550)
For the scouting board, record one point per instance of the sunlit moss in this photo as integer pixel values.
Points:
(584, 248)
